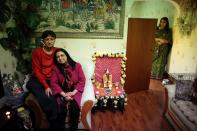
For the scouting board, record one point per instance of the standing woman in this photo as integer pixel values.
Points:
(39, 83)
(67, 84)
(162, 46)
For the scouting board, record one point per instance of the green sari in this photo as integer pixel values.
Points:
(160, 54)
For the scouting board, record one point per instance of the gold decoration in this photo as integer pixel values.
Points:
(98, 85)
(107, 79)
(105, 102)
(113, 55)
(115, 103)
(125, 100)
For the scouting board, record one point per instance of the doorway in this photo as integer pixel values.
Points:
(140, 39)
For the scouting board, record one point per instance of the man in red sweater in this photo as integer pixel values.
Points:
(39, 84)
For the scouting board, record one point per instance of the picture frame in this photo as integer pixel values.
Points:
(91, 19)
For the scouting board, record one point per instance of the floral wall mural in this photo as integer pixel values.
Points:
(83, 18)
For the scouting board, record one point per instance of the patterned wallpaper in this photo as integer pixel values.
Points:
(184, 53)
(183, 58)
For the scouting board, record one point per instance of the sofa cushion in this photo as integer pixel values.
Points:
(195, 85)
(184, 89)
(194, 95)
(186, 112)
(188, 109)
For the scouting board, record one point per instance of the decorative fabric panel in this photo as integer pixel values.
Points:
(184, 89)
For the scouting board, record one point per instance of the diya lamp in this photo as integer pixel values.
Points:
(115, 103)
(125, 100)
(117, 85)
(105, 102)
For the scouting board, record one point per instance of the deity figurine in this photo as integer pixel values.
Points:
(107, 79)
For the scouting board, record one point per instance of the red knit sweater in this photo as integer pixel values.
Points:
(42, 65)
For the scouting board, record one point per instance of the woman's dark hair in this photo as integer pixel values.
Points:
(48, 33)
(167, 27)
(71, 62)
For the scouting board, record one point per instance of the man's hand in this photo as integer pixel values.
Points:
(48, 91)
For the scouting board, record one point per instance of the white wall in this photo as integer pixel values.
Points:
(81, 49)
(153, 9)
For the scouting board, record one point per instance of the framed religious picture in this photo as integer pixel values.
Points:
(83, 18)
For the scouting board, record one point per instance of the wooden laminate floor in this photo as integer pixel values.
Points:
(144, 112)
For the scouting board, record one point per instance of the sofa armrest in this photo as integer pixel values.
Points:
(169, 94)
(87, 102)
(86, 114)
(39, 117)
(171, 90)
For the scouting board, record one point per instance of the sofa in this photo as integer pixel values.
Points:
(182, 114)
(87, 102)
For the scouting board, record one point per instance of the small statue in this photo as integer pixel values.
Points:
(98, 84)
(107, 79)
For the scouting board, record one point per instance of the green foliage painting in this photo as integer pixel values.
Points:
(83, 18)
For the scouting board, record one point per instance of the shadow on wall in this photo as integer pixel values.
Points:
(188, 19)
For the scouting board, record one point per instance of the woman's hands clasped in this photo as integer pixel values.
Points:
(69, 95)
(161, 41)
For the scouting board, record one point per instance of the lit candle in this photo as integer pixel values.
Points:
(97, 92)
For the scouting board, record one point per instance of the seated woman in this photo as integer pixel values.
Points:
(67, 84)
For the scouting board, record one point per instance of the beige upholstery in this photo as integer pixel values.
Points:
(181, 114)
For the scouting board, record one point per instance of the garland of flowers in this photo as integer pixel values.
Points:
(112, 101)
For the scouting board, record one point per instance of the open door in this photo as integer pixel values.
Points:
(140, 40)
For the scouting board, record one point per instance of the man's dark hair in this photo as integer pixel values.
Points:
(48, 33)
